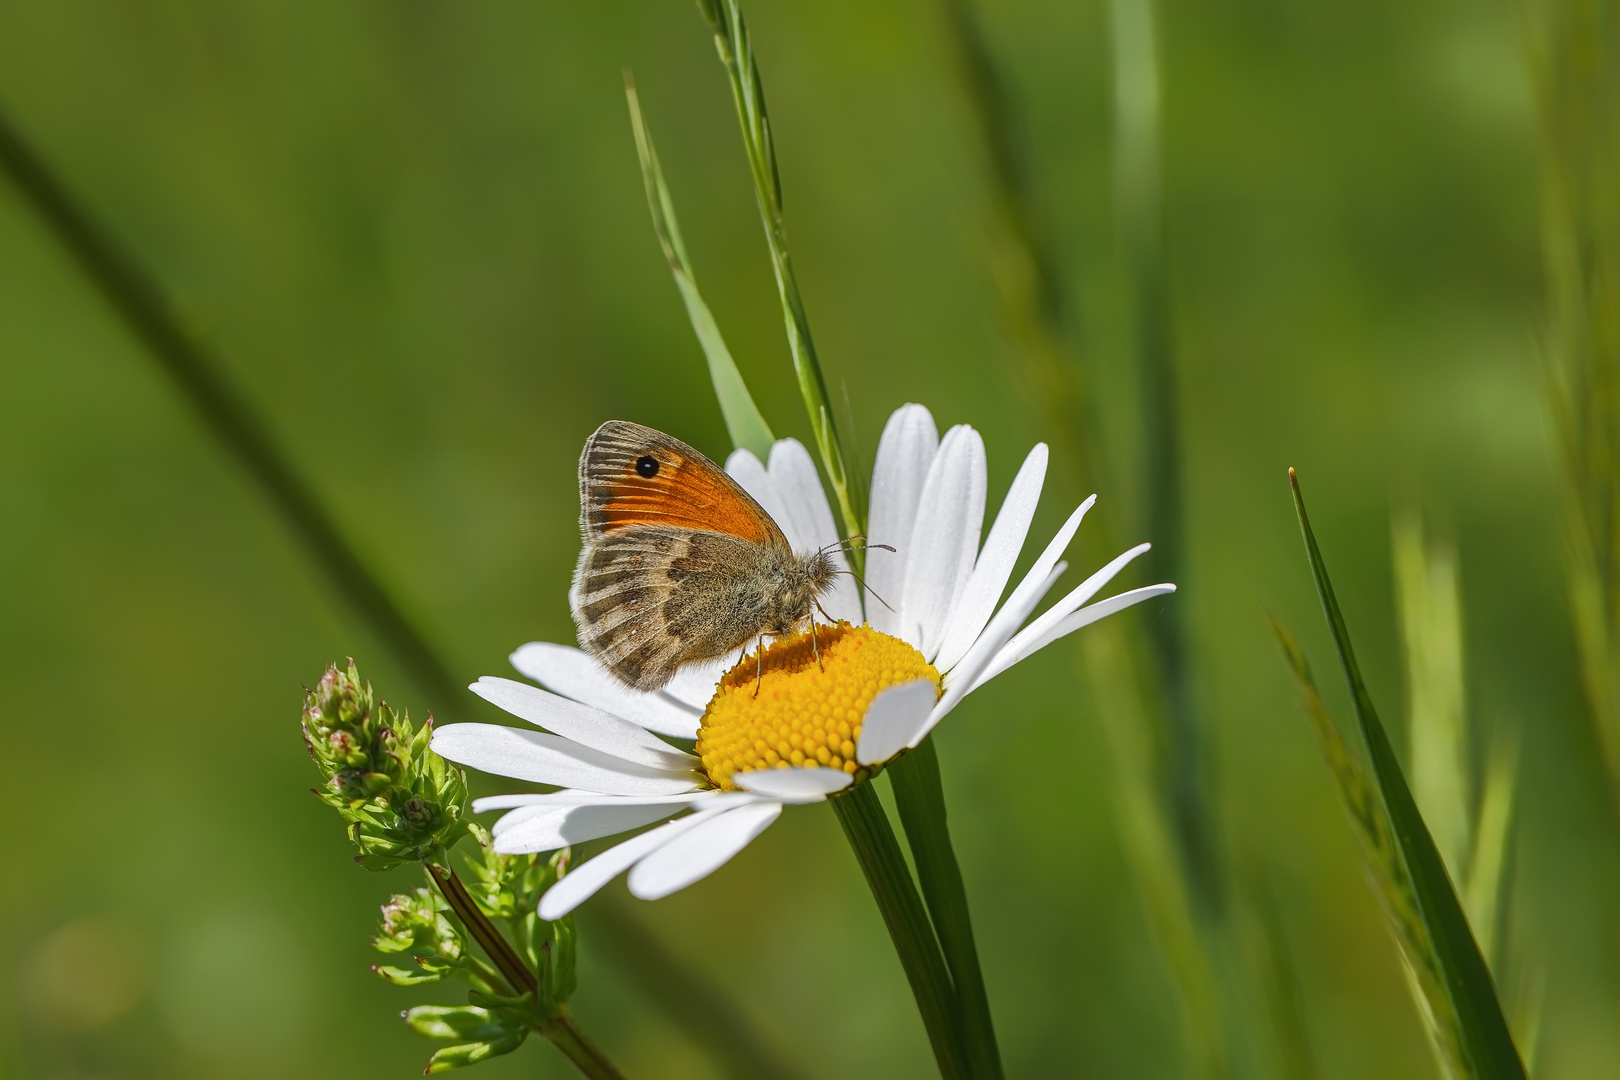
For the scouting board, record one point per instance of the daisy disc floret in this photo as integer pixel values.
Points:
(796, 722)
(802, 703)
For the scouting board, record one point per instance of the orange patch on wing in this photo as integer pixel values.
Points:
(686, 494)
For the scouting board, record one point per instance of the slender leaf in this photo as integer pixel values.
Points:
(1443, 957)
(744, 422)
(736, 51)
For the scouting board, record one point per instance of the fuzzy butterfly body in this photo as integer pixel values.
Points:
(679, 562)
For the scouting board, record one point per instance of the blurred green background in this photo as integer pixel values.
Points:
(417, 234)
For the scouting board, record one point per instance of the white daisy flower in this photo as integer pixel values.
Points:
(806, 729)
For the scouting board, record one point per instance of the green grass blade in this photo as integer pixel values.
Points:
(736, 51)
(744, 423)
(1444, 958)
(1438, 732)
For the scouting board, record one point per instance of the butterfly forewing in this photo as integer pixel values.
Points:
(632, 475)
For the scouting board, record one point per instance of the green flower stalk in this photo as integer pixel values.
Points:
(403, 803)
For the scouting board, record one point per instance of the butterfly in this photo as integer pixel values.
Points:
(679, 562)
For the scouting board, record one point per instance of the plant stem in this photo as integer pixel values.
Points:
(563, 1033)
(876, 849)
(559, 1028)
(492, 941)
(920, 795)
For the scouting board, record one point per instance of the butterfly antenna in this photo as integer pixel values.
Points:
(865, 587)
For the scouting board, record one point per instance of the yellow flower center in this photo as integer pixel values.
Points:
(783, 708)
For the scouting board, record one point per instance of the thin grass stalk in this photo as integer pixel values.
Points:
(919, 794)
(1139, 207)
(1139, 683)
(1445, 956)
(237, 427)
(744, 422)
(235, 424)
(1577, 68)
(736, 52)
(918, 786)
(866, 825)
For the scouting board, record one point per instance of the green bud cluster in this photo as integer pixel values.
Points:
(414, 924)
(403, 802)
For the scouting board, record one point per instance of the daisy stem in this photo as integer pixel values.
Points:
(876, 849)
(920, 795)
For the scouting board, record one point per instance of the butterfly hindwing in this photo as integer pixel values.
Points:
(649, 599)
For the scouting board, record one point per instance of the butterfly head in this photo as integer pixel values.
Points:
(804, 580)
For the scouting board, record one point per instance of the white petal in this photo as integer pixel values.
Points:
(944, 539)
(700, 851)
(904, 454)
(576, 797)
(547, 828)
(752, 476)
(587, 726)
(568, 671)
(893, 719)
(1062, 609)
(1024, 597)
(551, 759)
(813, 527)
(995, 562)
(694, 684)
(1017, 650)
(1012, 614)
(582, 882)
(793, 785)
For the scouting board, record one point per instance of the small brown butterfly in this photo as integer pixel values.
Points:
(679, 563)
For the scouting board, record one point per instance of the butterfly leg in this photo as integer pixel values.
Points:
(759, 663)
(815, 646)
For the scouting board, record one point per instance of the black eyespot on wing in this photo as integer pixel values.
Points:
(647, 466)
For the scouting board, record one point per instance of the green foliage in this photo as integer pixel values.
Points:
(736, 52)
(1453, 983)
(477, 1033)
(508, 888)
(403, 803)
(1577, 66)
(744, 423)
